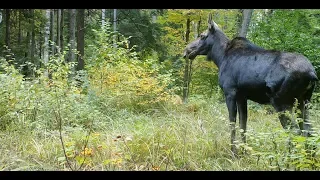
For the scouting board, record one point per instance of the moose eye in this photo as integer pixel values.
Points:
(202, 36)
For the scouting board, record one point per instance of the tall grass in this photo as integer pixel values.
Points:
(181, 137)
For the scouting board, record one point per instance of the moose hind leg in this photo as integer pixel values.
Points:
(304, 125)
(282, 101)
(243, 115)
(287, 121)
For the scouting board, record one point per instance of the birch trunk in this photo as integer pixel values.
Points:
(46, 40)
(72, 34)
(58, 30)
(52, 31)
(103, 17)
(80, 38)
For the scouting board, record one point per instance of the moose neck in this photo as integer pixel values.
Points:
(218, 48)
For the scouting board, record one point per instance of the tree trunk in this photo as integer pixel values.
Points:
(115, 27)
(72, 27)
(225, 27)
(28, 38)
(58, 30)
(61, 30)
(0, 16)
(52, 31)
(27, 51)
(186, 79)
(33, 38)
(198, 27)
(46, 40)
(80, 38)
(154, 18)
(19, 27)
(246, 17)
(238, 22)
(103, 17)
(7, 40)
(40, 46)
(110, 14)
(195, 33)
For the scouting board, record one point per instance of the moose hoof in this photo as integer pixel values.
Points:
(234, 152)
(306, 133)
(296, 132)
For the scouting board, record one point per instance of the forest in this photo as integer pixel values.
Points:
(109, 90)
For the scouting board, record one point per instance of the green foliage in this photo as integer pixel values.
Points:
(144, 33)
(135, 23)
(298, 33)
(11, 82)
(119, 74)
(124, 112)
(205, 78)
(280, 150)
(35, 102)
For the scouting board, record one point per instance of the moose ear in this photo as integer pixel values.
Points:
(211, 25)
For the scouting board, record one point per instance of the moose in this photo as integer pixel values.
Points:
(249, 72)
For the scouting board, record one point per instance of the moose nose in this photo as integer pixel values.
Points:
(185, 53)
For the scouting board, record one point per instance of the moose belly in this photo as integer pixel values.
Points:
(257, 95)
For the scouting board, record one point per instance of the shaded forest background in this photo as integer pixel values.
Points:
(30, 36)
(74, 79)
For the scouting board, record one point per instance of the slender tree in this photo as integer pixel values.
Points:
(52, 31)
(27, 51)
(33, 37)
(0, 15)
(103, 17)
(238, 22)
(246, 17)
(46, 40)
(58, 40)
(7, 40)
(186, 80)
(72, 36)
(115, 27)
(40, 45)
(198, 27)
(61, 29)
(195, 33)
(80, 38)
(19, 26)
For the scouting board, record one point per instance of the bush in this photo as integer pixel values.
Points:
(119, 75)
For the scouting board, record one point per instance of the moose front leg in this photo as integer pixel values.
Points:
(232, 109)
